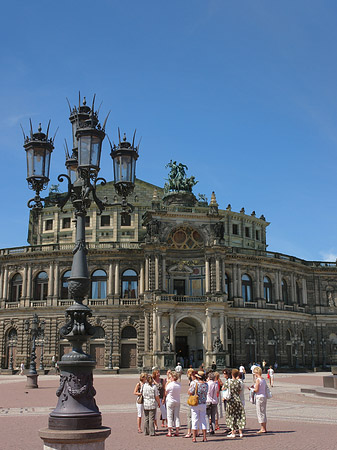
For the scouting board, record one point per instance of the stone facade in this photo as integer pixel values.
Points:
(176, 279)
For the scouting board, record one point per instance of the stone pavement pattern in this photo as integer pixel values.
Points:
(295, 421)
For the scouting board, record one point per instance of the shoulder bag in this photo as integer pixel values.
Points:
(140, 398)
(193, 400)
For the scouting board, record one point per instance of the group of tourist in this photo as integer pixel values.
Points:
(210, 399)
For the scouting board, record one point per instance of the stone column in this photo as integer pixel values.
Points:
(208, 330)
(141, 279)
(277, 286)
(117, 291)
(5, 284)
(110, 280)
(304, 291)
(225, 344)
(146, 331)
(154, 338)
(159, 329)
(1, 282)
(207, 276)
(239, 281)
(164, 273)
(24, 283)
(56, 281)
(223, 276)
(29, 282)
(234, 281)
(172, 340)
(258, 283)
(222, 329)
(217, 275)
(147, 273)
(156, 273)
(293, 289)
(51, 280)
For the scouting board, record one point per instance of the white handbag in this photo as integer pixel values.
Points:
(226, 395)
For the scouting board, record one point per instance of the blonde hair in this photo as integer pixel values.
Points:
(258, 370)
(142, 375)
(189, 372)
(174, 375)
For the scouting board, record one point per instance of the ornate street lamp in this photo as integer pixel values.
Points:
(42, 326)
(32, 375)
(312, 343)
(323, 344)
(76, 408)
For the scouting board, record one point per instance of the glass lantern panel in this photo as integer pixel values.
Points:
(47, 164)
(39, 162)
(74, 129)
(125, 168)
(95, 150)
(30, 163)
(84, 151)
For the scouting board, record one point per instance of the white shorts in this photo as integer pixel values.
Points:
(140, 409)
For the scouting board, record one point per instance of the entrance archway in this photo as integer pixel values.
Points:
(189, 344)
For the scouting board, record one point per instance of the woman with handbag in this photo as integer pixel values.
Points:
(191, 377)
(235, 413)
(172, 399)
(197, 400)
(261, 390)
(139, 400)
(151, 401)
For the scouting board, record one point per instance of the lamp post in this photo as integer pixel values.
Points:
(110, 355)
(323, 344)
(42, 341)
(76, 408)
(33, 329)
(312, 343)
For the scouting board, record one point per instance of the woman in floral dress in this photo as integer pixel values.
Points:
(235, 413)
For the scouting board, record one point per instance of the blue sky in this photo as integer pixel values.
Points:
(242, 92)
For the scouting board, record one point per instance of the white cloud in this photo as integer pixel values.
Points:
(329, 255)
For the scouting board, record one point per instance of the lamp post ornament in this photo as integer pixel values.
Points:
(76, 408)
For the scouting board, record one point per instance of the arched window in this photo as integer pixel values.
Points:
(267, 289)
(16, 288)
(129, 284)
(64, 284)
(299, 293)
(247, 288)
(288, 335)
(129, 332)
(227, 284)
(271, 335)
(99, 333)
(249, 334)
(284, 291)
(98, 284)
(41, 286)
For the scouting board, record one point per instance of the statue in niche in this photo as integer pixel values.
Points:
(219, 230)
(167, 346)
(331, 300)
(152, 228)
(217, 345)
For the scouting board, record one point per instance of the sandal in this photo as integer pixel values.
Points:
(169, 435)
(231, 435)
(194, 440)
(188, 435)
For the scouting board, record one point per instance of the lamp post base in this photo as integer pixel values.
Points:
(32, 381)
(74, 439)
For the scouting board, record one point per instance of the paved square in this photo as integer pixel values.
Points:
(295, 421)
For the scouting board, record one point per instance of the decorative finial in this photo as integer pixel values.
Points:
(253, 213)
(40, 128)
(213, 200)
(155, 195)
(262, 217)
(242, 210)
(84, 101)
(229, 207)
(124, 137)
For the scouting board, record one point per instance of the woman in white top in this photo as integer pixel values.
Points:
(140, 406)
(260, 387)
(172, 398)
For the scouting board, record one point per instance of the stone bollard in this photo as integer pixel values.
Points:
(74, 439)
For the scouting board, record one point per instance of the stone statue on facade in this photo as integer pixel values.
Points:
(178, 181)
(167, 346)
(152, 229)
(217, 345)
(219, 230)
